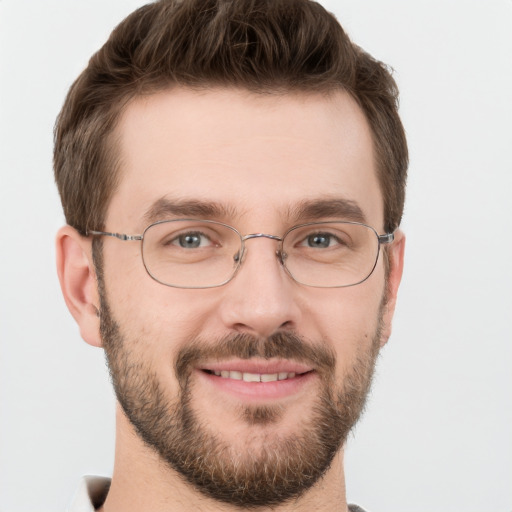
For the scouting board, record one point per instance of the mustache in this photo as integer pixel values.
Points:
(281, 345)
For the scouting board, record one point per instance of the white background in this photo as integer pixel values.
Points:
(437, 435)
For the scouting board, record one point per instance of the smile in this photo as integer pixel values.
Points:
(253, 377)
(257, 380)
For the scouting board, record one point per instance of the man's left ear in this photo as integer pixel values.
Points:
(396, 267)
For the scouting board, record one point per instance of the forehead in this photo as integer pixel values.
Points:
(258, 156)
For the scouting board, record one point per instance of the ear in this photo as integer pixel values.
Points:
(78, 282)
(396, 267)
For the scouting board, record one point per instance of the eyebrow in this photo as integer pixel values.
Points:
(164, 208)
(336, 208)
(307, 210)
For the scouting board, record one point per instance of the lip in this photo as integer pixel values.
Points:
(257, 391)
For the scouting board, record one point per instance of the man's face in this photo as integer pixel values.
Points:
(253, 162)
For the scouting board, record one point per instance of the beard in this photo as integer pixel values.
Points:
(270, 468)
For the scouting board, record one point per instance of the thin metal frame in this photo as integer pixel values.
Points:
(386, 238)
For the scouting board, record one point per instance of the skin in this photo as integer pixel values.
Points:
(259, 156)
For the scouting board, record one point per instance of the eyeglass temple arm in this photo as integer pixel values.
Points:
(386, 238)
(120, 236)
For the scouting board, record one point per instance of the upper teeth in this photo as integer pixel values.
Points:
(254, 377)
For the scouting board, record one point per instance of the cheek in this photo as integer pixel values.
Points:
(347, 318)
(154, 318)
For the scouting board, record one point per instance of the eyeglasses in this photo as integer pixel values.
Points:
(190, 253)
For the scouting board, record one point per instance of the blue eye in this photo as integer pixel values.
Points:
(191, 240)
(320, 240)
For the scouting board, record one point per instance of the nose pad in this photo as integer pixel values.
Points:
(238, 257)
(281, 256)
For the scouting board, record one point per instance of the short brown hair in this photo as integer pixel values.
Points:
(271, 46)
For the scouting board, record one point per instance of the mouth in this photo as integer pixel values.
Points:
(255, 380)
(253, 377)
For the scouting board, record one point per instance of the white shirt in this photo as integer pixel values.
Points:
(90, 495)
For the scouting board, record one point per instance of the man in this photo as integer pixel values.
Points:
(233, 176)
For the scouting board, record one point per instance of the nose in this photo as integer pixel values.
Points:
(261, 299)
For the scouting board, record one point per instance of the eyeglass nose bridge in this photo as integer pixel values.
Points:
(262, 235)
(279, 253)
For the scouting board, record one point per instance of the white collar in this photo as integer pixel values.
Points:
(90, 494)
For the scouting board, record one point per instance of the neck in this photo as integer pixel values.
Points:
(141, 481)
